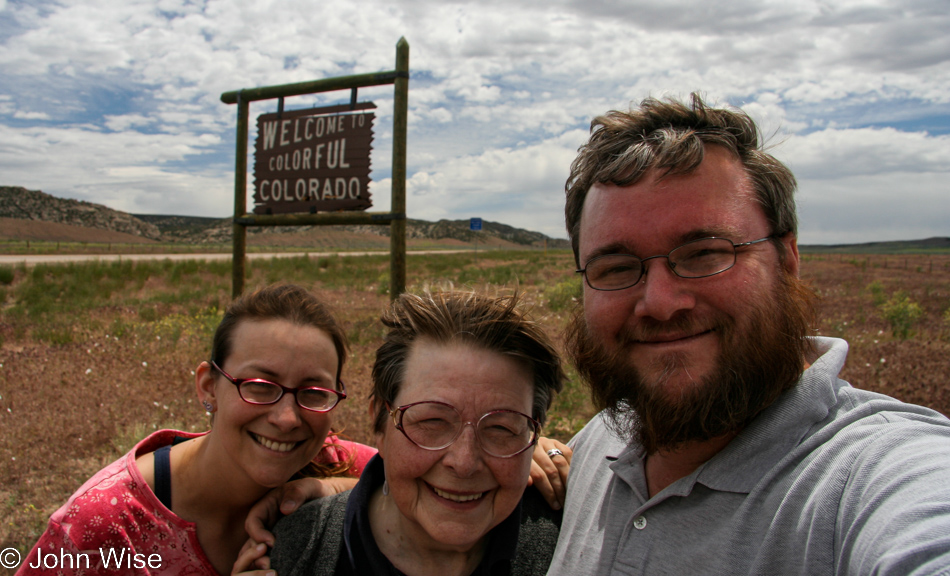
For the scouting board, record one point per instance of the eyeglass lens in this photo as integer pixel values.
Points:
(264, 392)
(435, 426)
(696, 259)
(260, 391)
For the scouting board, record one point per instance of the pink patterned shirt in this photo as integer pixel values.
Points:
(114, 523)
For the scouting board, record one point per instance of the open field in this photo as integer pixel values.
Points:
(95, 356)
(38, 237)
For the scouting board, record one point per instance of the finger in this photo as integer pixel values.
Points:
(558, 453)
(542, 459)
(556, 466)
(303, 490)
(542, 482)
(261, 516)
(566, 452)
(288, 504)
(251, 556)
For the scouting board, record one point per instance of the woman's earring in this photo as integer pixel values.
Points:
(209, 407)
(385, 487)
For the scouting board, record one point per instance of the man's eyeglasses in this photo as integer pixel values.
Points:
(695, 259)
(434, 425)
(260, 391)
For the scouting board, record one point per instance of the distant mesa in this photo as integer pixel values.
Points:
(34, 215)
(22, 204)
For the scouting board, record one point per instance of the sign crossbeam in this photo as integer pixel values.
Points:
(315, 86)
(326, 218)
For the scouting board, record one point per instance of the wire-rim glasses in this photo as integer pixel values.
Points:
(259, 391)
(695, 259)
(432, 425)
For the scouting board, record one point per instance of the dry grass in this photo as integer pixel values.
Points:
(914, 370)
(85, 374)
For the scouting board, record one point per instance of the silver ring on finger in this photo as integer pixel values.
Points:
(554, 452)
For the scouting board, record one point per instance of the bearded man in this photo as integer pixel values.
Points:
(726, 443)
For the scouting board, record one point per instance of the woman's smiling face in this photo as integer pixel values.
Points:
(270, 443)
(452, 497)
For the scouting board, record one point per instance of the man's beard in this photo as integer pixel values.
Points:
(755, 366)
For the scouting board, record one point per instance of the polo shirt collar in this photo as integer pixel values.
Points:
(782, 426)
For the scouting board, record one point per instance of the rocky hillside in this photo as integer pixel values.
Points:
(193, 230)
(17, 202)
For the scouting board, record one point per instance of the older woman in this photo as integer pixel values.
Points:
(176, 503)
(462, 384)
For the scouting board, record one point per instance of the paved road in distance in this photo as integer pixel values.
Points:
(32, 259)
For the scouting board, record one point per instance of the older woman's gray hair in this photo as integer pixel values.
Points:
(498, 324)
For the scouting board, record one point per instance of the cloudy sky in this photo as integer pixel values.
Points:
(118, 101)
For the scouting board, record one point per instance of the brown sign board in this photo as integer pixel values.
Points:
(313, 160)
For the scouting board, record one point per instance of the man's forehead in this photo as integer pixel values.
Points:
(668, 211)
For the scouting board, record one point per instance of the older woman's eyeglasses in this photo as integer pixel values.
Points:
(260, 391)
(696, 259)
(434, 425)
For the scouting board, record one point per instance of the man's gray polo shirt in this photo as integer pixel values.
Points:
(828, 480)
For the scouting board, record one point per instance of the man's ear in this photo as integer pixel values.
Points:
(792, 260)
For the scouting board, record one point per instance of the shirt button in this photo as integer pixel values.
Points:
(640, 523)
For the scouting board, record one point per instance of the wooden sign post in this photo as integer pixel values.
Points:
(287, 194)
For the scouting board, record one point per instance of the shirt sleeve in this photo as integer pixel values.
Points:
(895, 510)
(53, 541)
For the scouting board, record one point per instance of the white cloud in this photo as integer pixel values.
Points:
(836, 153)
(30, 115)
(863, 208)
(124, 122)
(523, 187)
(124, 170)
(118, 100)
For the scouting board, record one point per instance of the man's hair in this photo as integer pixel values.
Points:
(497, 324)
(670, 136)
(288, 302)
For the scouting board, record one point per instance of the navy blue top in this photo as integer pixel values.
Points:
(361, 555)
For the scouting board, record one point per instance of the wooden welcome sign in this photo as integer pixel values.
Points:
(313, 160)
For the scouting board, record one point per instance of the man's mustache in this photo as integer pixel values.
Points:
(685, 324)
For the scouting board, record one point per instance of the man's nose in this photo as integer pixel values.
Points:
(661, 293)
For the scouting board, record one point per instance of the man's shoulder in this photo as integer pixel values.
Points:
(824, 406)
(870, 414)
(596, 447)
(598, 439)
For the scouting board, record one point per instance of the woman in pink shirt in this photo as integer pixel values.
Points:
(177, 502)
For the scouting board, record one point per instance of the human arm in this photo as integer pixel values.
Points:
(289, 497)
(549, 473)
(54, 538)
(895, 508)
(285, 500)
(253, 561)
